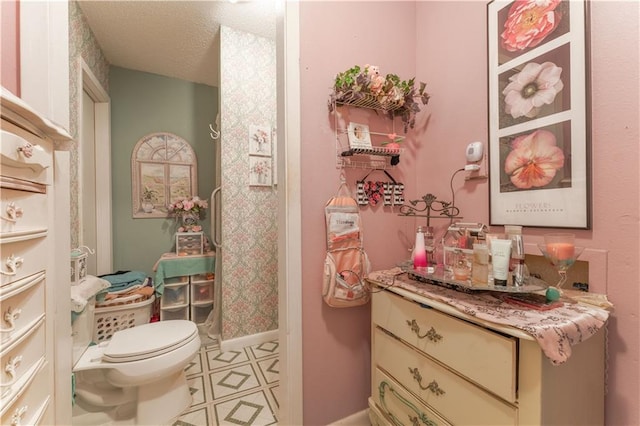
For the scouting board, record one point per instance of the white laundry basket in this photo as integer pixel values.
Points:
(110, 319)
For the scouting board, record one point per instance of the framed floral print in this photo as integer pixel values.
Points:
(260, 140)
(539, 135)
(259, 171)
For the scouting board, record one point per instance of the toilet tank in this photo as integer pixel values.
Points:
(82, 329)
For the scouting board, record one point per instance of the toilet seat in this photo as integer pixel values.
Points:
(148, 340)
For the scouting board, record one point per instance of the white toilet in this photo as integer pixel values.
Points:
(138, 376)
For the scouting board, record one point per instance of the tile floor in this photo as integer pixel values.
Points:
(233, 388)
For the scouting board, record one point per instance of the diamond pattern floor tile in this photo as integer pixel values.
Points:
(234, 387)
(270, 369)
(251, 409)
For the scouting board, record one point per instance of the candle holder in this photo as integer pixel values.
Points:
(560, 250)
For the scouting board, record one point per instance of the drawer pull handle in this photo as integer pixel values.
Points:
(13, 213)
(13, 262)
(10, 369)
(432, 334)
(433, 386)
(16, 419)
(417, 420)
(10, 318)
(26, 150)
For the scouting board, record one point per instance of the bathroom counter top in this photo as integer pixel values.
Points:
(171, 265)
(556, 330)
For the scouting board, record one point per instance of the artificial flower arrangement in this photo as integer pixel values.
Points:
(399, 98)
(393, 142)
(189, 210)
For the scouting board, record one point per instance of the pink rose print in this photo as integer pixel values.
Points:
(534, 160)
(529, 22)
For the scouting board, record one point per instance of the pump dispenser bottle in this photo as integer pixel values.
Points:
(419, 255)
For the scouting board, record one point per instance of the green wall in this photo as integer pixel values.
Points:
(143, 103)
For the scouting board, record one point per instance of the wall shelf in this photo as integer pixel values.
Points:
(374, 157)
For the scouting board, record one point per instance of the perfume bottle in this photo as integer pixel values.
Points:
(430, 246)
(419, 254)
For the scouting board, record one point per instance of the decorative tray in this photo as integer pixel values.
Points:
(532, 284)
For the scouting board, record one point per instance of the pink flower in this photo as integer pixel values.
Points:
(536, 85)
(528, 23)
(187, 205)
(533, 160)
(377, 83)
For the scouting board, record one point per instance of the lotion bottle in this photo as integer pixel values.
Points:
(419, 254)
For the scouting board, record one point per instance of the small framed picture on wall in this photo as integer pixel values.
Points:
(260, 140)
(260, 171)
(359, 136)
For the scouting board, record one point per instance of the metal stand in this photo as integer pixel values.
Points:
(430, 204)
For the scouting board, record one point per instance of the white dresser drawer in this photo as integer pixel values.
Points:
(23, 155)
(22, 259)
(29, 406)
(22, 305)
(394, 405)
(16, 359)
(483, 356)
(31, 219)
(438, 386)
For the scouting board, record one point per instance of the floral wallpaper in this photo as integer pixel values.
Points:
(249, 216)
(82, 44)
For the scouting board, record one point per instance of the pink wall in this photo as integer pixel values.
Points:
(443, 43)
(10, 71)
(454, 63)
(336, 342)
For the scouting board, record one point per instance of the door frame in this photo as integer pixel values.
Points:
(89, 83)
(289, 213)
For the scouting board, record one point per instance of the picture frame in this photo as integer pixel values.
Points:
(359, 136)
(260, 140)
(539, 111)
(260, 171)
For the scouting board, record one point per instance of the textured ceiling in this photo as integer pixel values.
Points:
(177, 39)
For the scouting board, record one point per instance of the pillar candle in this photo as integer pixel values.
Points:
(561, 251)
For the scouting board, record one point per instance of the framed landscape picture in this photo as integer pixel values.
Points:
(539, 112)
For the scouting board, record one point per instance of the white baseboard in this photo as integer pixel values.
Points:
(250, 340)
(361, 418)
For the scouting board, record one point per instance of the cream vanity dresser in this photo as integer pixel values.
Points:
(26, 268)
(433, 364)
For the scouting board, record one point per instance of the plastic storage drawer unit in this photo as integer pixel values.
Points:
(200, 313)
(176, 313)
(175, 295)
(201, 291)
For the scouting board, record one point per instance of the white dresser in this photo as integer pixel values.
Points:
(27, 293)
(434, 365)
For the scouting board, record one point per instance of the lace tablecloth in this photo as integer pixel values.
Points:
(555, 330)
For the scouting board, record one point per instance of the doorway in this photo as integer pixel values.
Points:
(94, 155)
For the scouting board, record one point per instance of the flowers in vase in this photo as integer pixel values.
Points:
(189, 210)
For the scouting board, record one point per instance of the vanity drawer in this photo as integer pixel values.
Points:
(483, 356)
(27, 257)
(24, 156)
(22, 305)
(16, 359)
(438, 386)
(34, 213)
(29, 406)
(392, 401)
